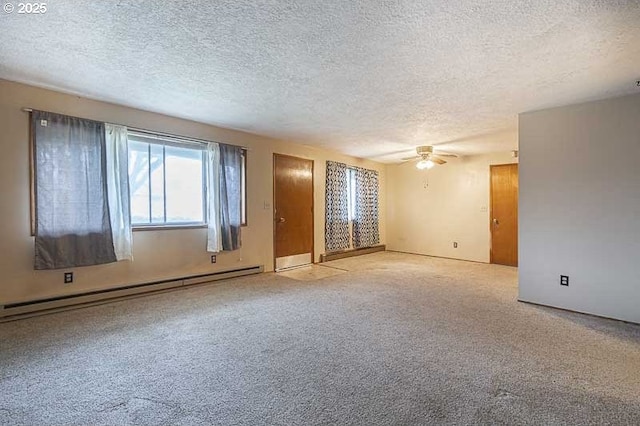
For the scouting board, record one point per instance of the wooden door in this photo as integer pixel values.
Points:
(504, 214)
(293, 211)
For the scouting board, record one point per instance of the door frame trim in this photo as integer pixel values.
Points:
(313, 204)
(491, 166)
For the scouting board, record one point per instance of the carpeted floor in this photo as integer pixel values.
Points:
(398, 339)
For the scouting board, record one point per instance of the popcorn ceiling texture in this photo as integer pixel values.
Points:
(370, 79)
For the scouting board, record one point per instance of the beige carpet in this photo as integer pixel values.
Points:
(398, 339)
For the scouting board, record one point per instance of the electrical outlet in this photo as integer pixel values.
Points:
(68, 277)
(455, 244)
(564, 280)
(214, 258)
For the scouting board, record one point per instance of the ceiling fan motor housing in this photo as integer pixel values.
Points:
(424, 150)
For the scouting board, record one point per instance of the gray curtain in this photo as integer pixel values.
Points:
(230, 193)
(336, 224)
(365, 223)
(72, 216)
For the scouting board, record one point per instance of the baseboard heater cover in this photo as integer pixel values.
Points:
(349, 253)
(9, 311)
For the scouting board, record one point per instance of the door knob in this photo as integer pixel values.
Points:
(495, 222)
(282, 220)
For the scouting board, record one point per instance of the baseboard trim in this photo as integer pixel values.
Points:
(30, 308)
(327, 257)
(448, 258)
(573, 311)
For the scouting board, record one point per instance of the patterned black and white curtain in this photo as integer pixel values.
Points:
(336, 225)
(365, 222)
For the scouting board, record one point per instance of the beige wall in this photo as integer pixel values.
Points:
(157, 254)
(580, 207)
(427, 210)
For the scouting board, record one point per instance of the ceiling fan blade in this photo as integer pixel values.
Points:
(415, 157)
(446, 154)
(437, 160)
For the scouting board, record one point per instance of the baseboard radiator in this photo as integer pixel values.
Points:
(349, 253)
(31, 308)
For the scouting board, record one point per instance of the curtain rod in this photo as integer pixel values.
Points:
(152, 132)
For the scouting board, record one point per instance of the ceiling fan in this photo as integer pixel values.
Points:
(428, 158)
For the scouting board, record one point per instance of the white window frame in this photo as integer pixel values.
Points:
(164, 140)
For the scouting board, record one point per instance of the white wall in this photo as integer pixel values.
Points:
(159, 254)
(580, 207)
(428, 210)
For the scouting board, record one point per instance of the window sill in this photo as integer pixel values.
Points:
(137, 228)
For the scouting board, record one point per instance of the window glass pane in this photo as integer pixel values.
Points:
(157, 183)
(139, 181)
(167, 181)
(184, 185)
(351, 181)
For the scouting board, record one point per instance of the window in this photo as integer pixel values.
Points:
(167, 181)
(351, 193)
(351, 207)
(167, 177)
(351, 201)
(92, 182)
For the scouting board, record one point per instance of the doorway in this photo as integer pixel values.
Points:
(504, 214)
(292, 211)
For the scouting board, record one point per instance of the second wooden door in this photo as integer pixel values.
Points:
(504, 214)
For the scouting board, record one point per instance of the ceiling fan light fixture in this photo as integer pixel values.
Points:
(425, 164)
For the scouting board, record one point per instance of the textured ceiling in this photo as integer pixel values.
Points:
(367, 78)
